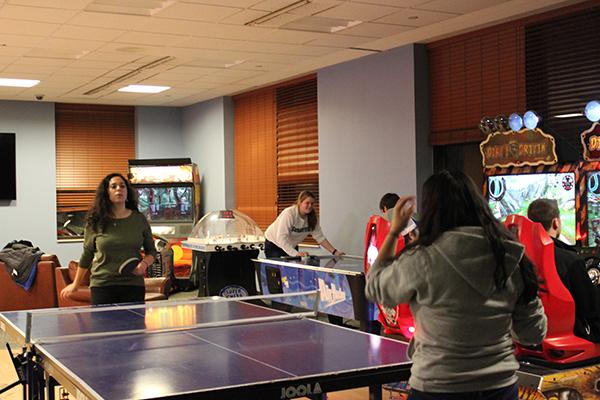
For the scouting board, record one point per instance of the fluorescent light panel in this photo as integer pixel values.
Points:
(18, 82)
(144, 89)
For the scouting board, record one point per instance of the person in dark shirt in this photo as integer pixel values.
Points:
(571, 270)
(115, 232)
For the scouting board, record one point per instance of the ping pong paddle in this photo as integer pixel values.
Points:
(128, 266)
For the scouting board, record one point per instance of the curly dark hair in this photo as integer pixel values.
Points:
(450, 200)
(101, 211)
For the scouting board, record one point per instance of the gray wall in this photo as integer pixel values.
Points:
(207, 130)
(367, 141)
(33, 215)
(158, 132)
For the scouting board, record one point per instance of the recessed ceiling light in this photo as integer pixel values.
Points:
(18, 82)
(144, 89)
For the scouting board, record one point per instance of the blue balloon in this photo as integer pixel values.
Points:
(515, 122)
(531, 119)
(592, 111)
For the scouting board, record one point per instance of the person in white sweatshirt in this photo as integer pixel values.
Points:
(292, 226)
(469, 287)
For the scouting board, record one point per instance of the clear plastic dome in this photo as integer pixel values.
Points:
(226, 227)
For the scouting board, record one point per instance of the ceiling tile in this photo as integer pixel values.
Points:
(44, 61)
(340, 41)
(417, 18)
(5, 60)
(37, 69)
(187, 70)
(208, 43)
(458, 6)
(152, 39)
(55, 53)
(258, 66)
(64, 4)
(394, 3)
(83, 46)
(375, 30)
(8, 51)
(276, 48)
(78, 32)
(40, 14)
(277, 58)
(26, 27)
(230, 3)
(111, 21)
(359, 12)
(111, 56)
(21, 75)
(197, 12)
(89, 72)
(9, 91)
(272, 5)
(291, 36)
(243, 16)
(207, 49)
(20, 40)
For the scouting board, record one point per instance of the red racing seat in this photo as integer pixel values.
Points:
(560, 346)
(395, 320)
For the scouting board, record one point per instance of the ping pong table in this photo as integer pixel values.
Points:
(197, 349)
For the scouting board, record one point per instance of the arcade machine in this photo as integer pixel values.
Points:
(223, 244)
(522, 166)
(394, 320)
(169, 196)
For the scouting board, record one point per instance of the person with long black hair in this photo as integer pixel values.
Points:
(115, 232)
(469, 287)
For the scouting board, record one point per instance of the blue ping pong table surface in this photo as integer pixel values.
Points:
(269, 359)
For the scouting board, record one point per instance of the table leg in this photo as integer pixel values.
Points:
(375, 392)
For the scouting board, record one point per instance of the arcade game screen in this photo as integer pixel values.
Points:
(512, 194)
(166, 203)
(593, 207)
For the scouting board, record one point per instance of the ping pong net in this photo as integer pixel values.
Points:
(80, 323)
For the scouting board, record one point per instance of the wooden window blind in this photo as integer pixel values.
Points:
(563, 74)
(255, 156)
(297, 142)
(523, 64)
(474, 76)
(276, 147)
(91, 142)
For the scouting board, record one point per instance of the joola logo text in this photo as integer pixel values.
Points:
(292, 392)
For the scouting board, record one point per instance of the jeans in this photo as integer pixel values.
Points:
(505, 393)
(274, 251)
(117, 294)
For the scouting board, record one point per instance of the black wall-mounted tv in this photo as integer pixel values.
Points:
(8, 173)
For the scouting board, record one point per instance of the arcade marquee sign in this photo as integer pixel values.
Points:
(590, 140)
(517, 149)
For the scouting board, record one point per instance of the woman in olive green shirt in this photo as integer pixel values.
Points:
(115, 231)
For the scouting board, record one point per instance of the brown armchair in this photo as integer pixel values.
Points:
(156, 288)
(41, 295)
